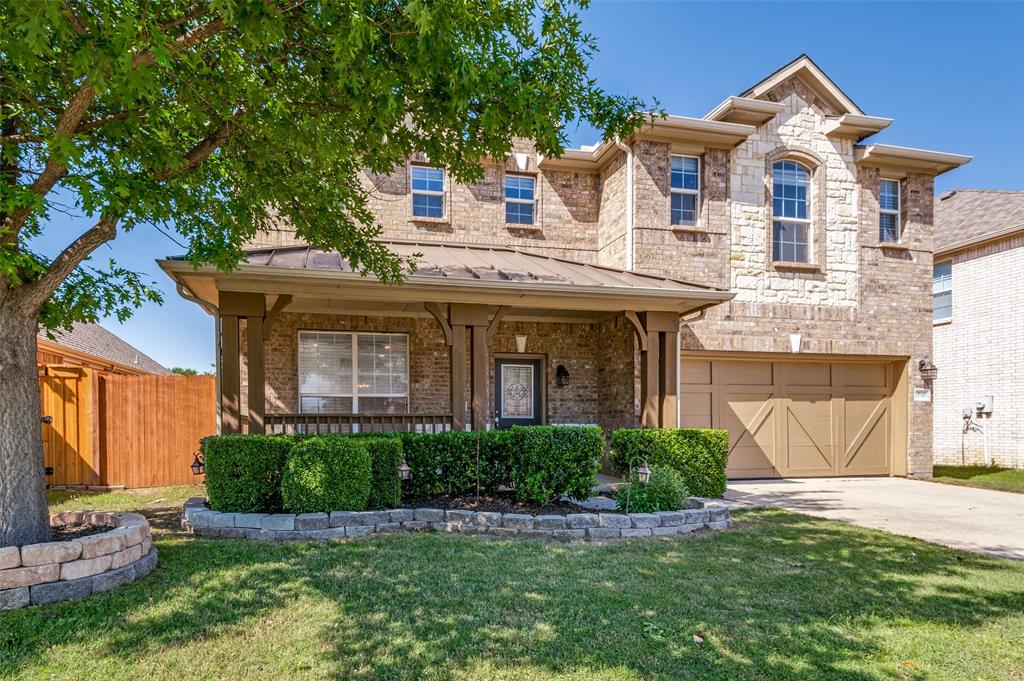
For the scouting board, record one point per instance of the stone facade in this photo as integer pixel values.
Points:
(857, 298)
(980, 351)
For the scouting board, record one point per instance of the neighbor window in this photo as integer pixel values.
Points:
(520, 199)
(353, 373)
(942, 290)
(791, 222)
(427, 192)
(889, 211)
(685, 190)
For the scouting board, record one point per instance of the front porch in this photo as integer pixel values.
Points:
(475, 338)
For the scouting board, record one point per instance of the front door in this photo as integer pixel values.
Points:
(518, 392)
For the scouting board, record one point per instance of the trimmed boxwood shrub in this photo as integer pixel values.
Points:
(385, 482)
(549, 461)
(700, 455)
(446, 463)
(664, 491)
(243, 472)
(327, 473)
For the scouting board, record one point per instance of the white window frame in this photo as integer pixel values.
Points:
(949, 290)
(355, 395)
(809, 221)
(889, 211)
(533, 202)
(428, 192)
(690, 192)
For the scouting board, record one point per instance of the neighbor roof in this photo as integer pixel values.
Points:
(93, 339)
(964, 217)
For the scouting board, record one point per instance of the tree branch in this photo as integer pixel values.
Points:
(76, 24)
(36, 292)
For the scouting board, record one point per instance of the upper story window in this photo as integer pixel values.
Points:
(791, 222)
(942, 291)
(353, 373)
(685, 190)
(427, 192)
(520, 199)
(889, 211)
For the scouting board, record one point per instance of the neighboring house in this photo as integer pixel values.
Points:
(978, 294)
(93, 347)
(757, 269)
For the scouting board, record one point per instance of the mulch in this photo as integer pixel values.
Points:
(500, 502)
(72, 532)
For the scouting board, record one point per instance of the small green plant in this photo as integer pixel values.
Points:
(385, 483)
(243, 472)
(664, 491)
(549, 461)
(327, 473)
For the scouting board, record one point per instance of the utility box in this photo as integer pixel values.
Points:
(983, 405)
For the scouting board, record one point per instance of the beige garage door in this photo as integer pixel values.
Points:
(795, 418)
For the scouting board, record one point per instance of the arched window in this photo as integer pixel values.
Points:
(791, 214)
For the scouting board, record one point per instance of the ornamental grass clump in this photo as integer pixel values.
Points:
(327, 474)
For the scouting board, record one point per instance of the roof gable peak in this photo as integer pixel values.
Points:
(810, 74)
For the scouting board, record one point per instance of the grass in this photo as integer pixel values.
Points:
(783, 596)
(124, 500)
(987, 477)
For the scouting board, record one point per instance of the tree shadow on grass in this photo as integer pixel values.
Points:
(784, 596)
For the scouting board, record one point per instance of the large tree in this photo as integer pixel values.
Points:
(218, 118)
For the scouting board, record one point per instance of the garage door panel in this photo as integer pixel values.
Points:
(804, 373)
(742, 373)
(695, 408)
(807, 446)
(866, 428)
(750, 419)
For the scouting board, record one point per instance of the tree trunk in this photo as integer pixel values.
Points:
(24, 518)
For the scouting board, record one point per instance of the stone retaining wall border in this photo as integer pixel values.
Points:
(340, 525)
(49, 572)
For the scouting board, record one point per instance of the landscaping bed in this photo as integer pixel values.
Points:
(499, 502)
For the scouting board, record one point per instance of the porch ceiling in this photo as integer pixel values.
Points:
(447, 273)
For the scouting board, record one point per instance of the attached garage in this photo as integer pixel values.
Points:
(800, 418)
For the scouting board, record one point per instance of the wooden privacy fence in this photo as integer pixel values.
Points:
(113, 430)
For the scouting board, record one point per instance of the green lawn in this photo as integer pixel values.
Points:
(988, 477)
(783, 596)
(125, 500)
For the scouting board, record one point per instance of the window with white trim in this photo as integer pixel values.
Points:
(791, 221)
(520, 199)
(685, 185)
(342, 372)
(889, 211)
(942, 291)
(427, 192)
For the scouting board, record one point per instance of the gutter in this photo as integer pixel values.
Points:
(629, 201)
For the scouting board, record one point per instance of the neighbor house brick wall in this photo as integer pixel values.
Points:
(980, 351)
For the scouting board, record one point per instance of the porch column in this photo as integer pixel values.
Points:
(477, 318)
(458, 377)
(668, 416)
(659, 362)
(255, 362)
(650, 402)
(230, 382)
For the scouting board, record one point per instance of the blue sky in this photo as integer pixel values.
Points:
(951, 74)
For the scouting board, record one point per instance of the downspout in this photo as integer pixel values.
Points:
(629, 201)
(215, 313)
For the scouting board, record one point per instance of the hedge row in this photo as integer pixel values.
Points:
(300, 474)
(264, 473)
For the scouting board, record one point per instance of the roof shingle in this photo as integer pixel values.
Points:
(967, 216)
(93, 339)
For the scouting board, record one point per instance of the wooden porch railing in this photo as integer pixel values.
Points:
(291, 424)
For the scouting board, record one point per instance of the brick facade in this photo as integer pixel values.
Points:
(980, 351)
(858, 298)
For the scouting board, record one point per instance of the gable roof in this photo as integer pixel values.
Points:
(804, 68)
(964, 217)
(94, 340)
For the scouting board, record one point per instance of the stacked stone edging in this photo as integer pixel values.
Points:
(35, 574)
(353, 524)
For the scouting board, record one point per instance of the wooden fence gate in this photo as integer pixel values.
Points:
(113, 430)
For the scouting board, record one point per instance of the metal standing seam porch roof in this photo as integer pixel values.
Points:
(451, 267)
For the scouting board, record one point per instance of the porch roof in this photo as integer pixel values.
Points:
(450, 273)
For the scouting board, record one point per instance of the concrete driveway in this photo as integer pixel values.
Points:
(978, 520)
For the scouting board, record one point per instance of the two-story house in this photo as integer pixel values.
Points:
(978, 310)
(758, 269)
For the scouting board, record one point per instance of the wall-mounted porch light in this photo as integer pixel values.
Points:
(197, 466)
(929, 372)
(562, 376)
